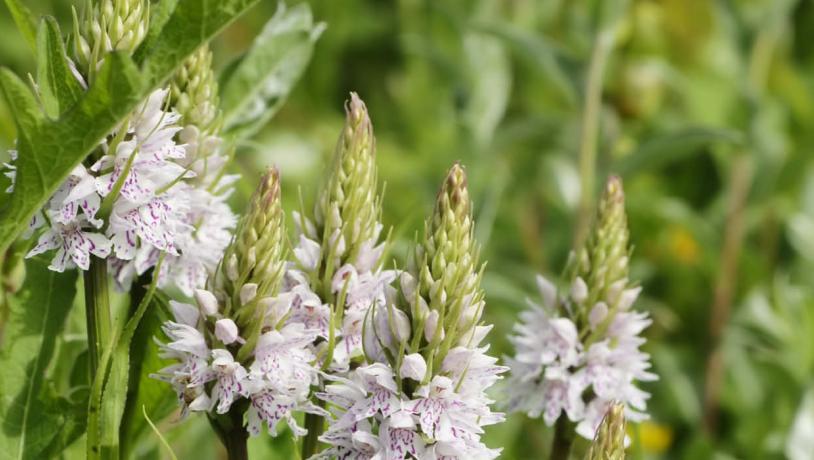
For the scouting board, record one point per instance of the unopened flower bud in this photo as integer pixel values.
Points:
(579, 290)
(226, 331)
(255, 255)
(609, 443)
(598, 314)
(413, 367)
(232, 273)
(110, 25)
(628, 297)
(195, 90)
(206, 302)
(349, 203)
(184, 313)
(548, 291)
(247, 293)
(431, 325)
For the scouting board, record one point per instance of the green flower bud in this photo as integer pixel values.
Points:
(602, 264)
(256, 255)
(448, 266)
(609, 442)
(348, 208)
(194, 90)
(110, 25)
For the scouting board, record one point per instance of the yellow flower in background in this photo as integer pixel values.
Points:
(682, 245)
(655, 437)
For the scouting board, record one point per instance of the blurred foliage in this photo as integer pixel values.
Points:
(707, 113)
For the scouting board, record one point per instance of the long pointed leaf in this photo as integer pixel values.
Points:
(25, 22)
(30, 420)
(191, 24)
(258, 85)
(59, 89)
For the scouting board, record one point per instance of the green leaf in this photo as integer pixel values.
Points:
(191, 24)
(257, 86)
(32, 420)
(49, 150)
(543, 55)
(145, 394)
(673, 147)
(160, 13)
(25, 22)
(59, 89)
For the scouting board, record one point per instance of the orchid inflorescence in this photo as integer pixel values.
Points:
(392, 359)
(578, 352)
(380, 362)
(156, 185)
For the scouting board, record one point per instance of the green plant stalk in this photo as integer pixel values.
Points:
(140, 342)
(590, 132)
(230, 430)
(315, 425)
(563, 439)
(97, 310)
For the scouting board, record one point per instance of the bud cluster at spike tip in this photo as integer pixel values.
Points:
(237, 341)
(579, 351)
(195, 90)
(603, 263)
(449, 274)
(110, 25)
(255, 256)
(609, 442)
(350, 203)
(336, 276)
(420, 394)
(155, 186)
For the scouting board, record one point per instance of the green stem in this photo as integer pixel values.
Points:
(97, 310)
(229, 428)
(138, 347)
(563, 438)
(590, 132)
(314, 424)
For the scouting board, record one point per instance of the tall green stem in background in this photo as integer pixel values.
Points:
(97, 310)
(590, 131)
(740, 182)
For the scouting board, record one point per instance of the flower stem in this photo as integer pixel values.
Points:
(97, 310)
(138, 347)
(314, 424)
(563, 438)
(590, 132)
(232, 433)
(720, 311)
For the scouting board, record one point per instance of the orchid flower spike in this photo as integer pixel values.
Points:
(580, 351)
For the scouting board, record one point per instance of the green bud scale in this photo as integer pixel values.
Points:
(609, 443)
(194, 90)
(348, 208)
(601, 266)
(448, 270)
(109, 25)
(255, 258)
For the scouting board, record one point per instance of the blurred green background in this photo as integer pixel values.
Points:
(706, 110)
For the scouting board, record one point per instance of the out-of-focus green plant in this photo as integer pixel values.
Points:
(706, 110)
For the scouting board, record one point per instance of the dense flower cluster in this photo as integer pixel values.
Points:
(157, 187)
(202, 342)
(421, 393)
(579, 352)
(337, 276)
(239, 342)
